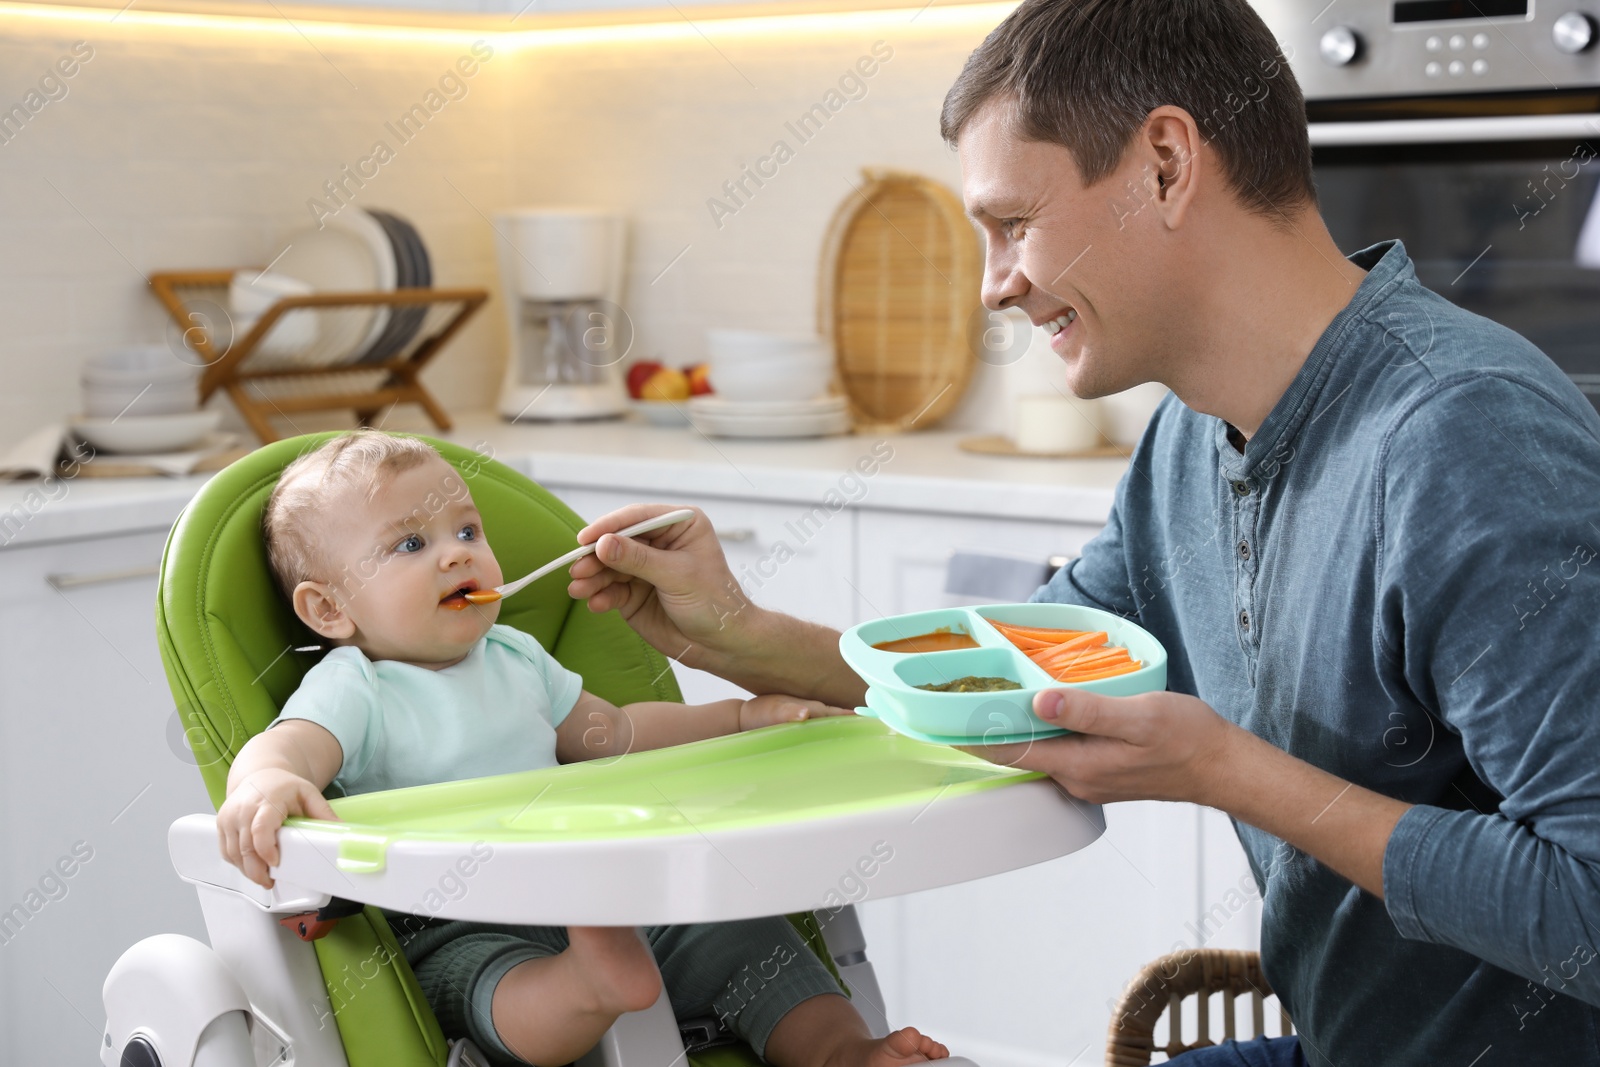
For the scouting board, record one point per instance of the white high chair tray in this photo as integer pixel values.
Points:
(785, 819)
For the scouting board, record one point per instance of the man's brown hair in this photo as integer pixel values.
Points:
(1084, 74)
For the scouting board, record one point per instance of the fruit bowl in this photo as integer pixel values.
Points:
(992, 717)
(650, 379)
(662, 412)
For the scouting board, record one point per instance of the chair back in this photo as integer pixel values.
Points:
(1160, 990)
(228, 642)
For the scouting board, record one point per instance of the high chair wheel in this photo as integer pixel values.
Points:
(171, 1002)
(139, 1053)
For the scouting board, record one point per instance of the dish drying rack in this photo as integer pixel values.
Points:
(263, 382)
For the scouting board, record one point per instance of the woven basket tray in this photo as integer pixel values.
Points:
(900, 277)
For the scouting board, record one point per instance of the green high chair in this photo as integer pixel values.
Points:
(308, 974)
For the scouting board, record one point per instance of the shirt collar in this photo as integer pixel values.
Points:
(1386, 264)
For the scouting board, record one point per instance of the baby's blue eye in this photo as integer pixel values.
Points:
(468, 532)
(409, 544)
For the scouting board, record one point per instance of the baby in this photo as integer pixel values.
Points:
(375, 540)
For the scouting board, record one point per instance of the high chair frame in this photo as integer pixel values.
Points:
(259, 994)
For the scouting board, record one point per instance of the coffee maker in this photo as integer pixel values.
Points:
(562, 274)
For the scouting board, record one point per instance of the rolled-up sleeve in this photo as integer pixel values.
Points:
(1488, 603)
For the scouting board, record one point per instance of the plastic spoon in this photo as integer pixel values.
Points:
(489, 596)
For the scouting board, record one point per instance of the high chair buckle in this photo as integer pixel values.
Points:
(311, 925)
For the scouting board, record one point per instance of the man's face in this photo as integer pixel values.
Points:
(400, 562)
(1084, 259)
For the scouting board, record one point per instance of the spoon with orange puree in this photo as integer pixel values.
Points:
(489, 596)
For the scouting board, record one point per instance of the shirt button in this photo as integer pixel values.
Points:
(1244, 620)
(1244, 549)
(1242, 488)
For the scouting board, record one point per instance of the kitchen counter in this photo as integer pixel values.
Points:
(924, 472)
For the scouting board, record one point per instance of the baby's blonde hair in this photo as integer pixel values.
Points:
(361, 460)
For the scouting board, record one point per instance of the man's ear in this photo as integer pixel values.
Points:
(319, 608)
(1174, 142)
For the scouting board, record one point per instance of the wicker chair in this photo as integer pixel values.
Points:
(1162, 986)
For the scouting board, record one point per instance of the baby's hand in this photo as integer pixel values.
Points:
(774, 708)
(247, 824)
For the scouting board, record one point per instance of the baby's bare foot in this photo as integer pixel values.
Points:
(617, 966)
(902, 1046)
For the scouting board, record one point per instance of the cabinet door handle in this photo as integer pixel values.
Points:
(738, 535)
(63, 582)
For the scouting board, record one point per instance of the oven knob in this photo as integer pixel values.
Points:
(1340, 46)
(1572, 33)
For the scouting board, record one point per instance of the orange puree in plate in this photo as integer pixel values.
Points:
(940, 640)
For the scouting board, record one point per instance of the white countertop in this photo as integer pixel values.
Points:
(926, 472)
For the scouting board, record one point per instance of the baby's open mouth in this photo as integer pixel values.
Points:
(456, 599)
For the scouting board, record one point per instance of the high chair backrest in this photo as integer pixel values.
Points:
(228, 636)
(228, 640)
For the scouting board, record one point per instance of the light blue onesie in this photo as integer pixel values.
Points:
(496, 712)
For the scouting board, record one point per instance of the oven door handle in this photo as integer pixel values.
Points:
(1449, 131)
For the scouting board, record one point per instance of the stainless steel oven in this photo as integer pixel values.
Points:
(1469, 129)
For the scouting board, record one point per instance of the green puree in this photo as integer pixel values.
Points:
(972, 684)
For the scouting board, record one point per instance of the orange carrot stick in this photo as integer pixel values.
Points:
(1084, 657)
(1042, 632)
(1062, 651)
(1095, 676)
(1084, 641)
(1028, 644)
(1078, 662)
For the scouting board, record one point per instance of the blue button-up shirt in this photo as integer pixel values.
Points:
(1396, 581)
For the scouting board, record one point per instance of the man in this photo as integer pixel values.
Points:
(1363, 528)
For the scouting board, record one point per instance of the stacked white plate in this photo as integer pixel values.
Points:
(355, 250)
(719, 417)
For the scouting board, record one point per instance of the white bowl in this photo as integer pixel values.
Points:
(756, 365)
(745, 344)
(771, 379)
(294, 332)
(718, 405)
(252, 292)
(152, 398)
(147, 433)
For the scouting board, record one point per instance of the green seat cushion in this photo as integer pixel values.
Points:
(228, 641)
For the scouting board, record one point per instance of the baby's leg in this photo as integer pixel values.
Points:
(553, 1009)
(766, 984)
(827, 1031)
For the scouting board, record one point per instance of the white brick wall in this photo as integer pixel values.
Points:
(194, 147)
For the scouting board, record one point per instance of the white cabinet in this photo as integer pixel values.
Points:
(794, 558)
(902, 554)
(94, 771)
(1021, 969)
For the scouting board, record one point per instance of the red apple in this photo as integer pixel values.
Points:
(699, 375)
(638, 374)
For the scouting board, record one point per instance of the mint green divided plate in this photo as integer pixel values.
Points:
(1003, 724)
(780, 774)
(984, 718)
